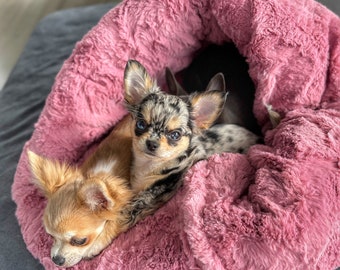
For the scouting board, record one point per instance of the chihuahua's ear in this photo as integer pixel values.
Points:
(206, 107)
(174, 87)
(50, 175)
(217, 83)
(97, 196)
(137, 83)
(103, 193)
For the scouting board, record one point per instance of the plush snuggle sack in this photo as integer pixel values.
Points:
(276, 207)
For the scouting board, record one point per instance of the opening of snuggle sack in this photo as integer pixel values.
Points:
(277, 207)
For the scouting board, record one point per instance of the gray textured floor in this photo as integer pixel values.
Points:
(332, 5)
(18, 18)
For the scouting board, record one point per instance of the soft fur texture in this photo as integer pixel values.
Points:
(276, 207)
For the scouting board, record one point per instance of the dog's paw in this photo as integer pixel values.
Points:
(274, 116)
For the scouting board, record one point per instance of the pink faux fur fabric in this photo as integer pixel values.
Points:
(276, 207)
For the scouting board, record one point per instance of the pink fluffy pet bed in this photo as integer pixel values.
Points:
(278, 207)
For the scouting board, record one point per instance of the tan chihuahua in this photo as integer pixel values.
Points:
(83, 212)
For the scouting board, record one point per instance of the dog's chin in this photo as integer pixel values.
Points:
(149, 154)
(146, 153)
(159, 156)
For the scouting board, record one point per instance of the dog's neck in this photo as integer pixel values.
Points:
(145, 170)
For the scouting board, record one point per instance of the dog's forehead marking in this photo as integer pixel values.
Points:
(162, 109)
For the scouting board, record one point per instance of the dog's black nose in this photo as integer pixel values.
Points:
(58, 260)
(152, 145)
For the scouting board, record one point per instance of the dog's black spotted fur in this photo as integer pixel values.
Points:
(192, 116)
(149, 200)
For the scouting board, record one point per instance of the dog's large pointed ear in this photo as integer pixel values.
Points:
(217, 83)
(206, 107)
(174, 87)
(137, 83)
(104, 193)
(50, 175)
(96, 196)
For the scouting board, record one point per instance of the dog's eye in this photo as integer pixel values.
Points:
(78, 241)
(174, 135)
(141, 124)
